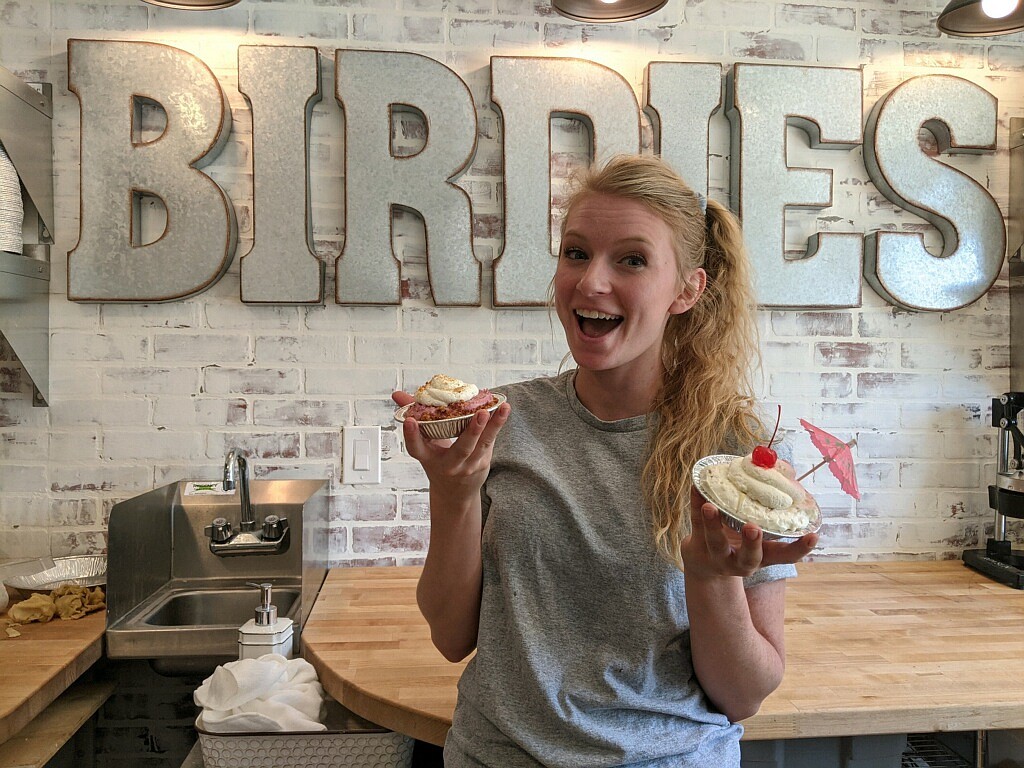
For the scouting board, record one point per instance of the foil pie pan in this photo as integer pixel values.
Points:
(730, 517)
(81, 571)
(444, 429)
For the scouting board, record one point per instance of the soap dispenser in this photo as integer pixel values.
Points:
(266, 633)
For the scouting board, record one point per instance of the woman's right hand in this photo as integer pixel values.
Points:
(456, 470)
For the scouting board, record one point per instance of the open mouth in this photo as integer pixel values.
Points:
(594, 324)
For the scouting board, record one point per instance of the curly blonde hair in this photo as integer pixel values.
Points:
(706, 402)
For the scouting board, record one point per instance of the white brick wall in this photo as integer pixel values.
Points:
(146, 394)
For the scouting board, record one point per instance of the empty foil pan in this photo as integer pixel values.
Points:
(81, 571)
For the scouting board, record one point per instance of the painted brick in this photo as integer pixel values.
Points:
(818, 385)
(171, 411)
(854, 355)
(901, 385)
(299, 413)
(73, 513)
(365, 507)
(110, 413)
(877, 21)
(415, 506)
(156, 445)
(22, 478)
(495, 351)
(492, 34)
(390, 539)
(898, 324)
(961, 56)
(375, 27)
(251, 381)
(22, 444)
(945, 415)
(757, 45)
(957, 386)
(1005, 58)
(322, 25)
(420, 351)
(939, 357)
(171, 315)
(70, 543)
(78, 445)
(940, 474)
(277, 445)
(322, 445)
(360, 381)
(247, 318)
(149, 381)
(123, 479)
(731, 13)
(306, 348)
(818, 323)
(449, 321)
(100, 347)
(897, 445)
(789, 15)
(203, 348)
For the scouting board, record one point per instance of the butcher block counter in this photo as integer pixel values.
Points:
(41, 664)
(872, 648)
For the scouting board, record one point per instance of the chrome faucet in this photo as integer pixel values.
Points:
(236, 472)
(272, 539)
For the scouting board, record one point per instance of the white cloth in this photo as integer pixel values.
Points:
(270, 693)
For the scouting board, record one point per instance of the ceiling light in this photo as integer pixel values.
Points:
(982, 18)
(193, 5)
(601, 11)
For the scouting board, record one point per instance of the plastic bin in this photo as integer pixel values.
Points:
(349, 742)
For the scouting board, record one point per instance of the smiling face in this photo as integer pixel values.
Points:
(616, 285)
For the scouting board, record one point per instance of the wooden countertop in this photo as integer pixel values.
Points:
(38, 666)
(886, 647)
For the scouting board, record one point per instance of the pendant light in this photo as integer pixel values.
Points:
(606, 11)
(982, 18)
(193, 5)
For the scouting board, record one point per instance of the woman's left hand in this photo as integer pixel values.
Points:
(714, 549)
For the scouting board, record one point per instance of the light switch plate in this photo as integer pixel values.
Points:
(360, 455)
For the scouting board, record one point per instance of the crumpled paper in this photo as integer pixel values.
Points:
(68, 602)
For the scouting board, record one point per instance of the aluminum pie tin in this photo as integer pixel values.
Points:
(730, 517)
(81, 571)
(445, 429)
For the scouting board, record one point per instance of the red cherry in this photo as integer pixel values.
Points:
(764, 457)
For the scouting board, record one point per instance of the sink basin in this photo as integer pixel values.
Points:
(172, 601)
(215, 607)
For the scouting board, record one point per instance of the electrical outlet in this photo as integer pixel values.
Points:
(360, 455)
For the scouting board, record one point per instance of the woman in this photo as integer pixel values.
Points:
(617, 622)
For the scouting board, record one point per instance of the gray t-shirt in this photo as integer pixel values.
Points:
(583, 652)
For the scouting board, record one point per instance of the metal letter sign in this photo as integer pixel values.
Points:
(683, 123)
(110, 78)
(528, 91)
(282, 85)
(962, 116)
(826, 104)
(369, 85)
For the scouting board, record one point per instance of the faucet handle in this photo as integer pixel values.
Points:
(219, 531)
(274, 527)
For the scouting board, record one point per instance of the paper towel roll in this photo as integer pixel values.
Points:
(12, 210)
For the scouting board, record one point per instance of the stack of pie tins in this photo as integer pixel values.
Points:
(12, 211)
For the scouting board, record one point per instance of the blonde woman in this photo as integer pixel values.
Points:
(616, 621)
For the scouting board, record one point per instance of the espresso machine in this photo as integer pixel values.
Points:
(998, 559)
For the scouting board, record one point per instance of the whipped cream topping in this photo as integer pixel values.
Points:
(444, 390)
(771, 498)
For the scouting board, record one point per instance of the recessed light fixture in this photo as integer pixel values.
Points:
(606, 11)
(982, 18)
(193, 5)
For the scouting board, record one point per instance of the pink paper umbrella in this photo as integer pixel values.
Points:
(837, 455)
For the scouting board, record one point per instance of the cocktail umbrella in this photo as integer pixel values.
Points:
(837, 455)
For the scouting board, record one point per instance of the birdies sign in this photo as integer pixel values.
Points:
(119, 170)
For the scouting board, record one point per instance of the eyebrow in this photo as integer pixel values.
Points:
(640, 239)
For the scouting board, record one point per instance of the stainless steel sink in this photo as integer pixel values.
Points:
(171, 600)
(215, 607)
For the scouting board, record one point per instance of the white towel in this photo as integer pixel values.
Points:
(270, 693)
